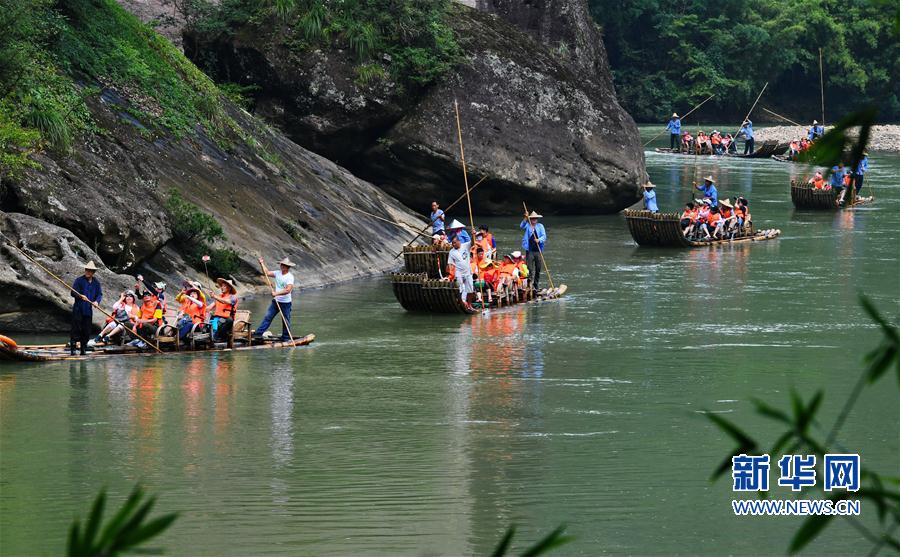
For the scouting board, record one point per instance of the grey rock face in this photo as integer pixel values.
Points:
(106, 199)
(540, 124)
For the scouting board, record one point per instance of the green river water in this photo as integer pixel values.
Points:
(401, 434)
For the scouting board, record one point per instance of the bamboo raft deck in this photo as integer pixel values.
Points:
(421, 288)
(806, 197)
(765, 151)
(664, 230)
(58, 352)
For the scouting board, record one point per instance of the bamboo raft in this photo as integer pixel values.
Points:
(57, 352)
(804, 196)
(664, 230)
(767, 150)
(421, 287)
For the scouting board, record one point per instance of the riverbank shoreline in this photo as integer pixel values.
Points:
(884, 138)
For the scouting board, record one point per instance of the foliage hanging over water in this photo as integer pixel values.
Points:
(668, 56)
(410, 39)
(195, 232)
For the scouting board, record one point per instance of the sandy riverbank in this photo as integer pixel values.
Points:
(883, 137)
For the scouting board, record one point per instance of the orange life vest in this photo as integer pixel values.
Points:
(688, 214)
(506, 269)
(152, 309)
(819, 183)
(847, 179)
(714, 218)
(225, 310)
(192, 310)
(740, 212)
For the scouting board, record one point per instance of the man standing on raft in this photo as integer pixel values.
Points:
(87, 291)
(281, 297)
(533, 245)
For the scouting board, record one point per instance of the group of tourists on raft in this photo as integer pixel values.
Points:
(708, 218)
(842, 178)
(477, 267)
(138, 313)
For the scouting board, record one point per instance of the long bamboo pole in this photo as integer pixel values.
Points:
(430, 223)
(682, 119)
(782, 117)
(67, 285)
(750, 111)
(462, 156)
(540, 251)
(822, 85)
(389, 221)
(284, 320)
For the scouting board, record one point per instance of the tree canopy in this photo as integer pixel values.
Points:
(668, 56)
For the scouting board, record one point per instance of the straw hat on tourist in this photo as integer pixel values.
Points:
(220, 281)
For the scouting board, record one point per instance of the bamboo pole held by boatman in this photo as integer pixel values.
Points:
(462, 156)
(747, 117)
(780, 116)
(682, 119)
(287, 326)
(67, 285)
(822, 86)
(540, 251)
(431, 223)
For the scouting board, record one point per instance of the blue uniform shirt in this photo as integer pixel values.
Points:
(462, 235)
(747, 130)
(674, 126)
(437, 224)
(863, 166)
(711, 192)
(528, 236)
(650, 201)
(91, 290)
(837, 177)
(815, 131)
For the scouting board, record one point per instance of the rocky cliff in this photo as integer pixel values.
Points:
(106, 197)
(540, 119)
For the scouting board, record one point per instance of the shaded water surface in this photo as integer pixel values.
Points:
(410, 434)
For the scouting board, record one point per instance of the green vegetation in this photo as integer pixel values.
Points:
(56, 57)
(195, 232)
(667, 56)
(410, 40)
(802, 435)
(126, 532)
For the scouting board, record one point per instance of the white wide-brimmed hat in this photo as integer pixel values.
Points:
(517, 254)
(287, 262)
(89, 266)
(535, 215)
(675, 115)
(710, 178)
(649, 184)
(456, 225)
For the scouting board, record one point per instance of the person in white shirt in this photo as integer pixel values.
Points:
(458, 259)
(284, 285)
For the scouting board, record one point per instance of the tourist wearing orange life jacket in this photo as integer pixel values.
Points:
(482, 275)
(150, 317)
(688, 219)
(125, 312)
(818, 181)
(222, 309)
(192, 310)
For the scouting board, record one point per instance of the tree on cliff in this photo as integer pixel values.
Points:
(665, 56)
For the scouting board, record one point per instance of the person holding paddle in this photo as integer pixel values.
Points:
(281, 298)
(87, 291)
(533, 243)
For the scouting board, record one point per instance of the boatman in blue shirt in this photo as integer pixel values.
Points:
(437, 219)
(650, 197)
(674, 127)
(86, 291)
(533, 245)
(747, 131)
(816, 131)
(709, 191)
(860, 172)
(458, 229)
(837, 177)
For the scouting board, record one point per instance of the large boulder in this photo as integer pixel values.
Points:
(539, 123)
(33, 301)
